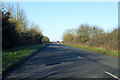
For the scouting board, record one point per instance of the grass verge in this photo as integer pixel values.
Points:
(113, 53)
(15, 56)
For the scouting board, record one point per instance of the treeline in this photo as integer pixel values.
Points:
(16, 29)
(92, 36)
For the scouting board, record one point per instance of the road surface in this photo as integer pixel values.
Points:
(59, 61)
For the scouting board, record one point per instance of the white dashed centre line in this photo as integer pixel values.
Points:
(79, 57)
(69, 51)
(112, 75)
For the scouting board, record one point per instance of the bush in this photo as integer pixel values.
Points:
(93, 37)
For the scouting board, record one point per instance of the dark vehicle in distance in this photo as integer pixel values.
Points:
(57, 42)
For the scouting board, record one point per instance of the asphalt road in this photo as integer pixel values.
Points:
(59, 61)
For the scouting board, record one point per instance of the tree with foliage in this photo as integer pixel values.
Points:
(45, 39)
(16, 31)
(9, 34)
(93, 36)
(68, 36)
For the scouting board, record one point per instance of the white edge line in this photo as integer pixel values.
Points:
(112, 75)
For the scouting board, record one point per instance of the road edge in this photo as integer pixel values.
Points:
(5, 73)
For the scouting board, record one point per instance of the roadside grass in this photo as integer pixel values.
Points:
(113, 53)
(15, 56)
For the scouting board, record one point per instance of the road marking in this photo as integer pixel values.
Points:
(112, 75)
(69, 51)
(79, 57)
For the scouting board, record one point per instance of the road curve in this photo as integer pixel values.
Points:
(59, 61)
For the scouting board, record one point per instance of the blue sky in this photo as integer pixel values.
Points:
(55, 17)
